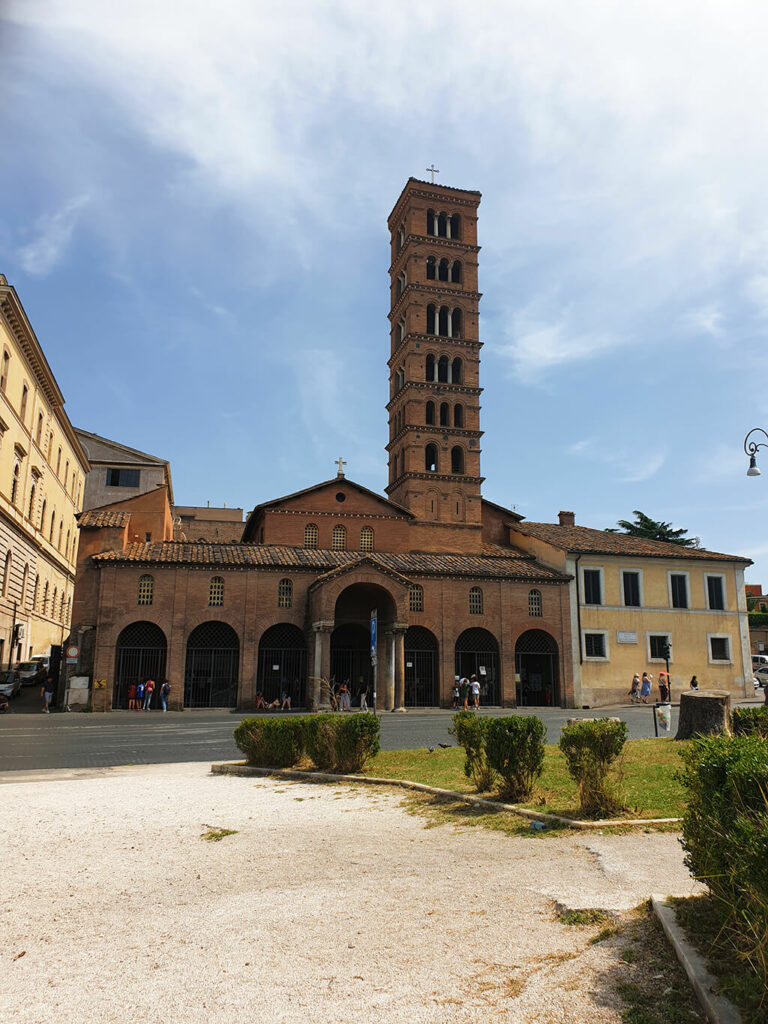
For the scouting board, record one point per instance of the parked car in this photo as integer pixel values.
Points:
(45, 661)
(761, 674)
(30, 672)
(758, 660)
(10, 683)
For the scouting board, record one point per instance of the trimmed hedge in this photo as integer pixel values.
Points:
(514, 747)
(341, 743)
(751, 721)
(470, 730)
(725, 835)
(590, 749)
(271, 742)
(758, 620)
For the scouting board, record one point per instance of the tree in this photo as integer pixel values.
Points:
(644, 526)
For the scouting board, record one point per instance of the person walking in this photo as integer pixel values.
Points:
(634, 692)
(464, 692)
(364, 699)
(46, 692)
(455, 694)
(165, 689)
(344, 704)
(149, 689)
(139, 697)
(663, 687)
(474, 686)
(645, 687)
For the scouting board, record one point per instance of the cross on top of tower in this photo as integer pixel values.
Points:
(341, 464)
(433, 171)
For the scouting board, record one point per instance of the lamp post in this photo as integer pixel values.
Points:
(751, 449)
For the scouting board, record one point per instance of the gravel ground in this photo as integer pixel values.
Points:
(330, 904)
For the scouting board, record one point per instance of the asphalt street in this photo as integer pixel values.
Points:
(30, 740)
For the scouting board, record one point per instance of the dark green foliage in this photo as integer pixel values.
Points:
(652, 529)
(341, 743)
(470, 731)
(514, 747)
(758, 620)
(725, 835)
(751, 721)
(590, 749)
(270, 742)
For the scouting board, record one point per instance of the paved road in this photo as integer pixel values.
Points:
(30, 740)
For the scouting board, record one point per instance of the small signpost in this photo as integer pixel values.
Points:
(374, 644)
(72, 654)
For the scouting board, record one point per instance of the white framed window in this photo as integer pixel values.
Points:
(592, 585)
(719, 648)
(655, 643)
(595, 645)
(714, 586)
(679, 590)
(631, 587)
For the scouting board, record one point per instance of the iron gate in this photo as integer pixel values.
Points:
(210, 677)
(421, 676)
(351, 658)
(536, 667)
(140, 655)
(477, 654)
(282, 664)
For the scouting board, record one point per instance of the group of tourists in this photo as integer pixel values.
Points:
(640, 690)
(140, 695)
(281, 703)
(466, 693)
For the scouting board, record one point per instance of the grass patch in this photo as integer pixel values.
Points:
(215, 834)
(603, 934)
(699, 920)
(579, 918)
(650, 785)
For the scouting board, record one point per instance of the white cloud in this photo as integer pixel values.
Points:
(630, 465)
(54, 233)
(705, 319)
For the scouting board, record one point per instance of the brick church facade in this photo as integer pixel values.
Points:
(290, 604)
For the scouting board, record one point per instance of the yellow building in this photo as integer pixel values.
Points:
(630, 597)
(42, 475)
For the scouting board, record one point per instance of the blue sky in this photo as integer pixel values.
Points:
(193, 204)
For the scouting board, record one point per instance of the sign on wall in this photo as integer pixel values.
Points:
(625, 637)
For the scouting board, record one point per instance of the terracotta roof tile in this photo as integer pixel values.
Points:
(95, 519)
(601, 542)
(514, 566)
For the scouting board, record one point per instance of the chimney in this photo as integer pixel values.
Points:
(567, 518)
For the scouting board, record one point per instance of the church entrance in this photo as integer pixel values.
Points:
(536, 665)
(282, 664)
(210, 676)
(351, 639)
(477, 654)
(140, 655)
(421, 676)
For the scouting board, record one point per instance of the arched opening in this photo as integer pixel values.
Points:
(456, 371)
(430, 458)
(430, 319)
(421, 675)
(351, 639)
(458, 415)
(282, 664)
(430, 414)
(442, 369)
(536, 667)
(455, 226)
(477, 654)
(456, 323)
(310, 535)
(431, 223)
(534, 604)
(442, 225)
(210, 676)
(139, 656)
(430, 368)
(431, 275)
(366, 538)
(444, 414)
(442, 326)
(457, 459)
(456, 272)
(338, 538)
(442, 270)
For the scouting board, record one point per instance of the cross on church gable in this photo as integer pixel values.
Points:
(341, 464)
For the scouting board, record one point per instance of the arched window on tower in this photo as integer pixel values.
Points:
(457, 459)
(534, 603)
(475, 601)
(339, 538)
(431, 223)
(416, 598)
(310, 535)
(284, 593)
(455, 226)
(394, 466)
(442, 369)
(456, 374)
(456, 272)
(430, 368)
(146, 590)
(458, 415)
(442, 322)
(455, 323)
(400, 378)
(366, 538)
(442, 270)
(402, 281)
(430, 319)
(430, 458)
(430, 414)
(444, 414)
(442, 225)
(401, 328)
(216, 592)
(431, 274)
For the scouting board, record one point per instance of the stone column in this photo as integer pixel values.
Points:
(318, 694)
(386, 672)
(399, 667)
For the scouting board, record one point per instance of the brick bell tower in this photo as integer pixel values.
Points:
(434, 392)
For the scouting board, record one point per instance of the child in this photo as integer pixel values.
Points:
(634, 693)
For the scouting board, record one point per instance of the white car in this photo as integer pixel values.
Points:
(30, 672)
(10, 683)
(761, 676)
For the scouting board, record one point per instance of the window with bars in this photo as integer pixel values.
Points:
(678, 585)
(720, 648)
(146, 590)
(594, 645)
(310, 536)
(593, 591)
(284, 594)
(416, 598)
(657, 646)
(216, 592)
(366, 539)
(534, 603)
(631, 586)
(339, 538)
(715, 593)
(475, 601)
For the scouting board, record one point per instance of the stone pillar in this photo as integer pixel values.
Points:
(386, 671)
(319, 693)
(399, 667)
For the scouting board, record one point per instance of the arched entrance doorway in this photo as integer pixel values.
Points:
(139, 655)
(421, 676)
(536, 665)
(282, 664)
(477, 653)
(351, 639)
(210, 677)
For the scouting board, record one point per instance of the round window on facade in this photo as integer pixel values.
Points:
(341, 496)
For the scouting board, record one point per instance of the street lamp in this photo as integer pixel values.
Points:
(752, 447)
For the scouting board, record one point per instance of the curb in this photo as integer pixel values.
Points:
(237, 768)
(717, 1009)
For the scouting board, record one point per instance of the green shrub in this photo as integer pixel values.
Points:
(725, 835)
(590, 749)
(470, 731)
(514, 747)
(758, 620)
(270, 742)
(341, 743)
(751, 721)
